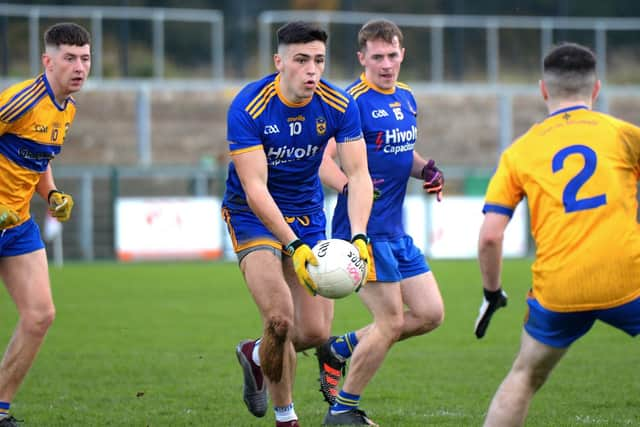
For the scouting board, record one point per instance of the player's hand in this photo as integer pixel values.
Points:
(301, 255)
(361, 242)
(60, 205)
(492, 301)
(433, 179)
(8, 217)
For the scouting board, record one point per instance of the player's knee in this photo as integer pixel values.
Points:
(314, 335)
(37, 322)
(278, 326)
(390, 327)
(533, 376)
(429, 320)
(396, 323)
(538, 377)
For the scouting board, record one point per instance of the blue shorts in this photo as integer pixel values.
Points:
(559, 329)
(22, 239)
(247, 231)
(394, 260)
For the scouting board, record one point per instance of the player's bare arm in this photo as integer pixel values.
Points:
(252, 171)
(490, 249)
(46, 183)
(330, 173)
(353, 158)
(418, 164)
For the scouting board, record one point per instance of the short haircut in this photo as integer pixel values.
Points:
(569, 71)
(378, 29)
(66, 33)
(301, 32)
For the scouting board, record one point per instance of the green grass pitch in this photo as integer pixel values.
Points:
(153, 345)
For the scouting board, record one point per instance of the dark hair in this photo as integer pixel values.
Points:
(569, 69)
(378, 29)
(301, 32)
(66, 33)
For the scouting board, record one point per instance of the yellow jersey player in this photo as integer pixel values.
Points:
(35, 116)
(579, 171)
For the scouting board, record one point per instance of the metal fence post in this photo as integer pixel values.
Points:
(158, 44)
(143, 119)
(34, 41)
(86, 217)
(96, 45)
(505, 119)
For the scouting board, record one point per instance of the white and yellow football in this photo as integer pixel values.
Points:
(340, 270)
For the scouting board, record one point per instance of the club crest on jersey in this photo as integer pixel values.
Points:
(321, 125)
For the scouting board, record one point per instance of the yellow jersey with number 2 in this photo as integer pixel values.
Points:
(579, 171)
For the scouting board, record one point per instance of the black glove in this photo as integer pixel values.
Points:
(492, 301)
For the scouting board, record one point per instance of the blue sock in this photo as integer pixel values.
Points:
(344, 345)
(4, 409)
(345, 402)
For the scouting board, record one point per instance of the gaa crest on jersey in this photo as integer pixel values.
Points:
(321, 125)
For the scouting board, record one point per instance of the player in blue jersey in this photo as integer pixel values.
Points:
(278, 128)
(578, 170)
(35, 116)
(399, 275)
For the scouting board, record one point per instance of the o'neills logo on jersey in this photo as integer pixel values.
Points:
(321, 125)
(396, 141)
(284, 154)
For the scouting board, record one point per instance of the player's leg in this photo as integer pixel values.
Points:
(546, 338)
(312, 316)
(530, 370)
(333, 354)
(420, 292)
(425, 310)
(26, 278)
(384, 301)
(259, 254)
(262, 270)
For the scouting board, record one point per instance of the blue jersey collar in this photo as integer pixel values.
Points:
(566, 110)
(53, 96)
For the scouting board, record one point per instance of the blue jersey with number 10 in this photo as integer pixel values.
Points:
(293, 137)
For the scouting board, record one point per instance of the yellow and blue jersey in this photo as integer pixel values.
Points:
(579, 171)
(389, 125)
(293, 137)
(33, 127)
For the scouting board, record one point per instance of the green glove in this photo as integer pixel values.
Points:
(60, 205)
(8, 217)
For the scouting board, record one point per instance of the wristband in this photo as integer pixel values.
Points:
(51, 192)
(360, 236)
(291, 247)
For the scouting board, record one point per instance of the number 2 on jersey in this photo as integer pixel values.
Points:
(570, 193)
